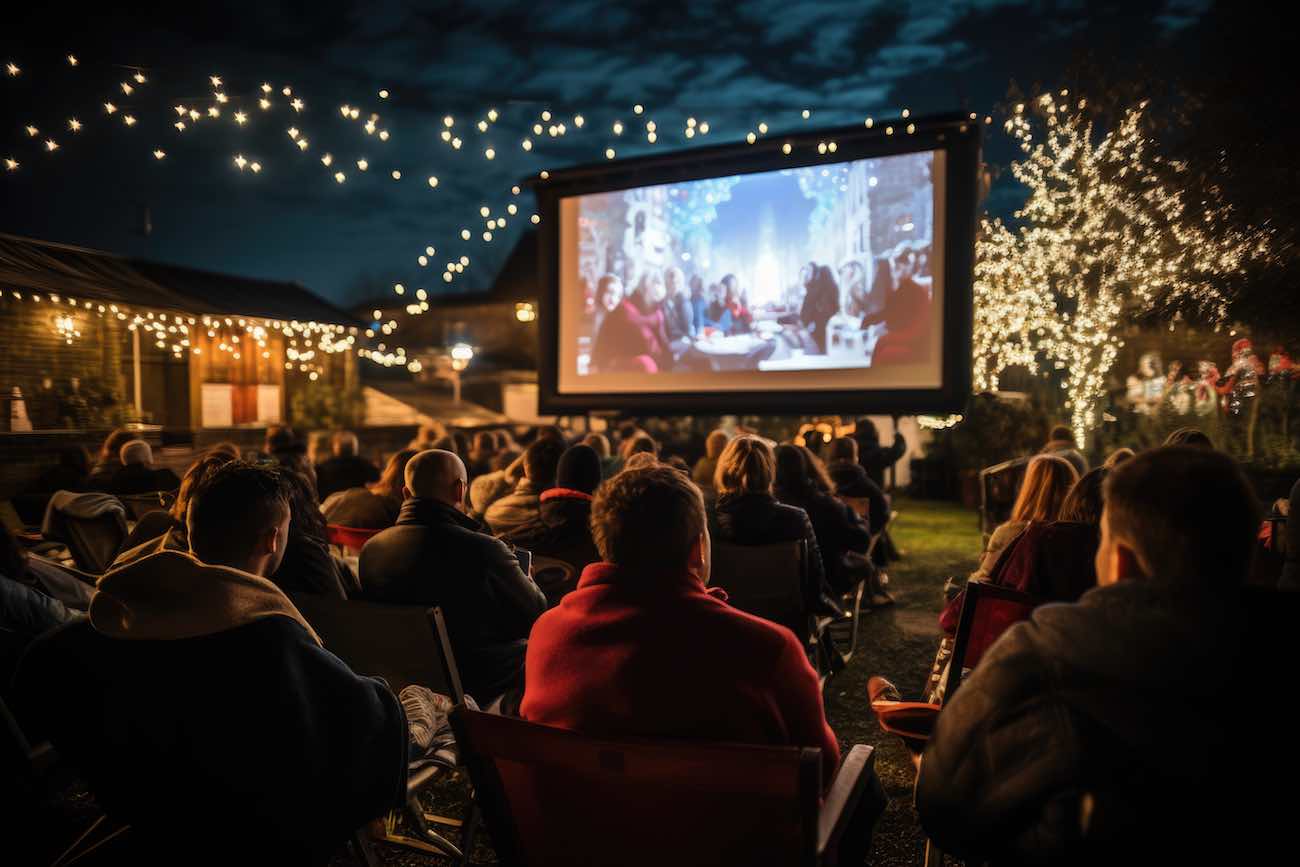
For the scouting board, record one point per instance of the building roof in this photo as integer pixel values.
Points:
(46, 266)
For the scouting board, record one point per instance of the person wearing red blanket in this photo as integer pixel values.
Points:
(643, 648)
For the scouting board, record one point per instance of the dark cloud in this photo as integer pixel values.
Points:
(732, 64)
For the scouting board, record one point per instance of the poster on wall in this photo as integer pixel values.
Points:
(218, 404)
(268, 404)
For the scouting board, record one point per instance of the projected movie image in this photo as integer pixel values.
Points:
(741, 281)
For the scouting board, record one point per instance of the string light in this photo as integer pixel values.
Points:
(72, 60)
(159, 154)
(1107, 234)
(12, 68)
(11, 164)
(74, 125)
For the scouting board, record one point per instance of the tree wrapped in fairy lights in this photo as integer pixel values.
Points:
(1106, 236)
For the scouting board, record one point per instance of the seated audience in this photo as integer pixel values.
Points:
(1061, 444)
(642, 649)
(438, 556)
(1189, 436)
(226, 448)
(284, 447)
(600, 443)
(507, 470)
(746, 513)
(138, 475)
(480, 456)
(27, 610)
(702, 474)
(196, 689)
(1117, 457)
(159, 530)
(71, 473)
(562, 528)
(346, 469)
(854, 486)
(109, 460)
(521, 505)
(372, 507)
(428, 435)
(840, 533)
(874, 457)
(1100, 731)
(308, 565)
(1050, 560)
(1048, 479)
(319, 447)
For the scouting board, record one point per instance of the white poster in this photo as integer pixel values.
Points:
(268, 404)
(218, 402)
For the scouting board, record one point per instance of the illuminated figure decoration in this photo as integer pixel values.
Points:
(1147, 386)
(1205, 399)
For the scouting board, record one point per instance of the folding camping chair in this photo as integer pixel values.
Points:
(553, 796)
(404, 645)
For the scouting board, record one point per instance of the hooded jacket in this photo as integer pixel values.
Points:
(438, 556)
(1091, 729)
(514, 509)
(197, 690)
(562, 530)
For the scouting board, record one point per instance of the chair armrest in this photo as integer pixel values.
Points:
(851, 780)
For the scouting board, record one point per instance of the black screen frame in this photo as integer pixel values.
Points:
(961, 140)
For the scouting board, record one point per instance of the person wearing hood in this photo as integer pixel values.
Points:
(1102, 730)
(562, 528)
(522, 505)
(438, 556)
(196, 688)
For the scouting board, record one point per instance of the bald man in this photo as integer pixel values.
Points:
(437, 555)
(138, 474)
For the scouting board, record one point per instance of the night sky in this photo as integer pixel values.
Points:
(731, 64)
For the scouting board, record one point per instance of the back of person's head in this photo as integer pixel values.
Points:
(503, 459)
(640, 443)
(1184, 514)
(821, 480)
(864, 430)
(436, 474)
(1047, 480)
(599, 442)
(648, 520)
(485, 445)
(1084, 502)
(445, 443)
(1189, 436)
(345, 444)
(136, 452)
(541, 459)
(745, 467)
(461, 439)
(194, 478)
(305, 517)
(227, 448)
(1061, 433)
(1117, 457)
(113, 443)
(640, 461)
(282, 438)
(551, 432)
(792, 477)
(579, 469)
(430, 433)
(232, 514)
(504, 439)
(843, 449)
(320, 446)
(715, 443)
(393, 478)
(627, 430)
(678, 463)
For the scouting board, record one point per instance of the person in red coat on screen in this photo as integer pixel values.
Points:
(642, 648)
(632, 337)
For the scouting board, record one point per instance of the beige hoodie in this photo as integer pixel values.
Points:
(171, 595)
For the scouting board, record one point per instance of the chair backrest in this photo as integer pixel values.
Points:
(987, 611)
(766, 581)
(552, 796)
(403, 644)
(999, 487)
(352, 538)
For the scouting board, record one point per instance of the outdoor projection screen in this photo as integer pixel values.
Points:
(836, 277)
